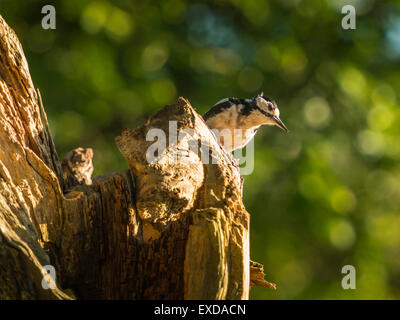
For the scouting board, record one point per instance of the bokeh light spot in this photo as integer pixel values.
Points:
(317, 112)
(383, 185)
(343, 200)
(98, 15)
(173, 11)
(380, 117)
(154, 56)
(293, 60)
(295, 277)
(353, 82)
(119, 24)
(384, 228)
(341, 234)
(311, 185)
(94, 16)
(371, 143)
(163, 90)
(383, 94)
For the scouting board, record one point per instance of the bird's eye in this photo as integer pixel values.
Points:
(270, 107)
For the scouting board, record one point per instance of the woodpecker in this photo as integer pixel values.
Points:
(236, 121)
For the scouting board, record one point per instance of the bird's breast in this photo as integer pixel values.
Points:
(229, 130)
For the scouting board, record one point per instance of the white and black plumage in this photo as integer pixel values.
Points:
(236, 121)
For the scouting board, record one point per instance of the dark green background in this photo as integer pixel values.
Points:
(323, 196)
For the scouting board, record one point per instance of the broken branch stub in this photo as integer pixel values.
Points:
(78, 167)
(194, 185)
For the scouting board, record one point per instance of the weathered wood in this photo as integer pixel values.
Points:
(30, 206)
(204, 199)
(164, 230)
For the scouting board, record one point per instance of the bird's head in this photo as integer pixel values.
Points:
(269, 110)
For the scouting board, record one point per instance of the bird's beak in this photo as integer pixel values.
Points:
(279, 123)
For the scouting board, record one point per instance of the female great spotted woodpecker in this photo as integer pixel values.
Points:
(236, 121)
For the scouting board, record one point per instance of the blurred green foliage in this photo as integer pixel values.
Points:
(325, 195)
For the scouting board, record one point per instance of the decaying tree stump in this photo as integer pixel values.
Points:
(160, 230)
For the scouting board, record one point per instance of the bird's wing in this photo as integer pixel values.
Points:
(217, 108)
